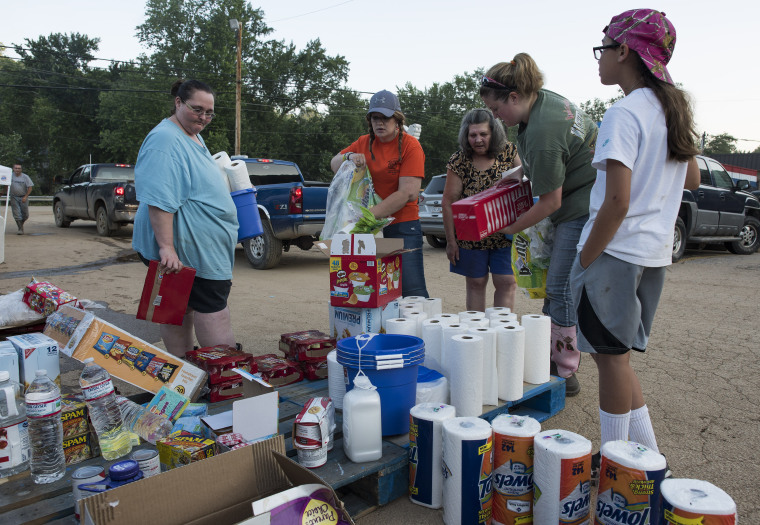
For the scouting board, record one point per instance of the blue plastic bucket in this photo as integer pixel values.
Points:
(249, 220)
(391, 362)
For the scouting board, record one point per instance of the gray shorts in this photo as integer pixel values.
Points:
(616, 302)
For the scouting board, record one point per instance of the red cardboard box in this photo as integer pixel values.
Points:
(45, 298)
(165, 295)
(478, 216)
(365, 272)
(218, 362)
(277, 371)
(309, 345)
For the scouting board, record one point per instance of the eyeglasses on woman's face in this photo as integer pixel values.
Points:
(598, 50)
(199, 111)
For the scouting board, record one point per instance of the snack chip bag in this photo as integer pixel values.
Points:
(143, 360)
(105, 342)
(118, 349)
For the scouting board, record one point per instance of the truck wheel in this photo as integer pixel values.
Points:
(679, 240)
(749, 238)
(105, 227)
(263, 252)
(436, 242)
(60, 218)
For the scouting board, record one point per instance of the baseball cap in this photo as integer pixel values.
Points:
(650, 34)
(385, 103)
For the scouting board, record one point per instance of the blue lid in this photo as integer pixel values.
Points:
(122, 470)
(427, 375)
(379, 344)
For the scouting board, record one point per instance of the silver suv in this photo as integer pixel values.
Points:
(431, 216)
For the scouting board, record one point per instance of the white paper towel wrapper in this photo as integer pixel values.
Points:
(432, 336)
(449, 331)
(497, 310)
(497, 321)
(467, 465)
(409, 307)
(222, 159)
(490, 374)
(635, 467)
(411, 299)
(465, 362)
(477, 322)
(537, 348)
(510, 353)
(238, 175)
(426, 445)
(432, 306)
(448, 318)
(401, 325)
(508, 316)
(436, 391)
(561, 477)
(697, 497)
(336, 383)
(418, 318)
(463, 316)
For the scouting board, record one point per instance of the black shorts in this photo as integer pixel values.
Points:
(207, 295)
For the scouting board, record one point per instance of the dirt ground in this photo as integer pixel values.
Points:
(700, 373)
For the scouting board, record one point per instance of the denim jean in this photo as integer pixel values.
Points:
(412, 269)
(19, 208)
(559, 298)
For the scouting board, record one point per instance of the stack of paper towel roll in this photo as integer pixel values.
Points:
(235, 172)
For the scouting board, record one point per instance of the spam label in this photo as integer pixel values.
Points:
(476, 484)
(512, 480)
(627, 496)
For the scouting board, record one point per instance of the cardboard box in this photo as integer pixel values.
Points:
(182, 448)
(225, 488)
(45, 298)
(349, 322)
(36, 351)
(165, 295)
(9, 360)
(365, 272)
(308, 345)
(478, 216)
(130, 358)
(277, 371)
(218, 361)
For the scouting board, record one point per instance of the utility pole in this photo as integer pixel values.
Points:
(238, 27)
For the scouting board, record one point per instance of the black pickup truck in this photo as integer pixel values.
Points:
(718, 212)
(104, 193)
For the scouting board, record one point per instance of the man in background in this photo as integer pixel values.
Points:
(21, 187)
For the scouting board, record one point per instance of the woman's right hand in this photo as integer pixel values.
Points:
(452, 252)
(358, 159)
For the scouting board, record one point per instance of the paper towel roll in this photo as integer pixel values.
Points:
(426, 444)
(465, 363)
(409, 307)
(418, 318)
(411, 299)
(432, 336)
(238, 175)
(449, 331)
(502, 322)
(537, 348)
(513, 468)
(467, 463)
(510, 355)
(432, 306)
(448, 318)
(336, 385)
(690, 500)
(562, 460)
(477, 322)
(401, 325)
(490, 374)
(635, 466)
(463, 316)
(509, 316)
(497, 310)
(222, 159)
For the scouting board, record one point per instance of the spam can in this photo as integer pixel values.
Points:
(81, 476)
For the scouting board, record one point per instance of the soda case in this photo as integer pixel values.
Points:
(278, 371)
(218, 361)
(309, 345)
(478, 216)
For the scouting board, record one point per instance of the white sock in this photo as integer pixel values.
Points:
(641, 430)
(614, 426)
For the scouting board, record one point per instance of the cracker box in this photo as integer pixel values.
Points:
(365, 272)
(9, 360)
(309, 345)
(314, 371)
(183, 448)
(74, 415)
(277, 371)
(480, 215)
(230, 389)
(349, 322)
(36, 351)
(45, 298)
(312, 426)
(218, 361)
(80, 448)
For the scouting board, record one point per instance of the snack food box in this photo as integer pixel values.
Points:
(277, 371)
(365, 272)
(218, 362)
(45, 298)
(480, 215)
(36, 351)
(182, 448)
(248, 474)
(74, 415)
(168, 403)
(349, 322)
(309, 345)
(314, 371)
(129, 358)
(230, 389)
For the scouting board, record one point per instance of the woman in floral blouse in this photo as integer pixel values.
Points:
(483, 156)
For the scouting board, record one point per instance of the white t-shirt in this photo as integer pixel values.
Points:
(633, 132)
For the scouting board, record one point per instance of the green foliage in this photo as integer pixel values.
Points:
(597, 107)
(723, 143)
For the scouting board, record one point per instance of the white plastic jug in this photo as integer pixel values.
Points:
(362, 429)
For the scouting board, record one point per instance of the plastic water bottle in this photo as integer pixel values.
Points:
(138, 419)
(105, 415)
(14, 434)
(43, 409)
(362, 422)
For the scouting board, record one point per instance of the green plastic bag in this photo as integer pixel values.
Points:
(531, 251)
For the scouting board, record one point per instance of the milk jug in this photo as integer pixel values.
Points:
(362, 432)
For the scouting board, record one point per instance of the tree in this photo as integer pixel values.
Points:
(597, 107)
(723, 143)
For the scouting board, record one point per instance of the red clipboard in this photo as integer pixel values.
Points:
(165, 295)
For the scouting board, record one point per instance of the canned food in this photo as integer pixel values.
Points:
(149, 462)
(81, 476)
(312, 457)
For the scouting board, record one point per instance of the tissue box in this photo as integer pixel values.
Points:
(45, 298)
(480, 215)
(349, 322)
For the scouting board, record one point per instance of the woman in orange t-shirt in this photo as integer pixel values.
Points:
(397, 164)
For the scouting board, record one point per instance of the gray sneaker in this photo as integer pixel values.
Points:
(572, 385)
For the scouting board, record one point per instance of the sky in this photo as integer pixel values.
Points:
(390, 43)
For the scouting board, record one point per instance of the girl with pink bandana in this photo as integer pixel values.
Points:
(644, 159)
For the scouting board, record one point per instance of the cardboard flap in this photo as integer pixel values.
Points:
(360, 245)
